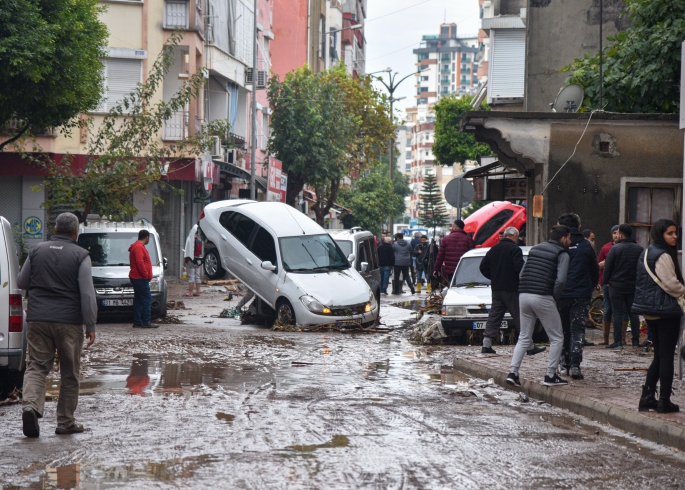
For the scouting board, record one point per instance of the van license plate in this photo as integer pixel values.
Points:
(117, 302)
(481, 325)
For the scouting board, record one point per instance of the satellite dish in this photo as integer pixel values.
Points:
(569, 98)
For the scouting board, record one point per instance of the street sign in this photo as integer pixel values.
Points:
(459, 192)
(413, 222)
(274, 181)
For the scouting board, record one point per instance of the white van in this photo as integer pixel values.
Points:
(108, 243)
(288, 261)
(12, 315)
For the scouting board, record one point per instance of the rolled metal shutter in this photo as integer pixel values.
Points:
(507, 64)
(10, 199)
(122, 77)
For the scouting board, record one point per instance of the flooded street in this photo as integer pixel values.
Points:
(214, 404)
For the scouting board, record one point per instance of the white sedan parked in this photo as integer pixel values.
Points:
(288, 261)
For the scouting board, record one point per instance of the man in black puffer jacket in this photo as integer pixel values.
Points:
(620, 272)
(574, 304)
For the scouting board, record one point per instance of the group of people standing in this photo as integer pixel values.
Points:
(416, 261)
(555, 286)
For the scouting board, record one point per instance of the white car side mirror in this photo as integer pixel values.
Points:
(267, 265)
(365, 266)
(351, 258)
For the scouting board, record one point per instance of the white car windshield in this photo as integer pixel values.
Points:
(312, 253)
(111, 249)
(468, 272)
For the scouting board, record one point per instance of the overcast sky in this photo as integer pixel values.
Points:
(394, 28)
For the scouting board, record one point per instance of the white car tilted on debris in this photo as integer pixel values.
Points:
(288, 261)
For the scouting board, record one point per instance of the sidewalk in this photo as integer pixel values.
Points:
(605, 395)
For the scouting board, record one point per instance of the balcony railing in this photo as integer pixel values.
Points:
(176, 128)
(176, 14)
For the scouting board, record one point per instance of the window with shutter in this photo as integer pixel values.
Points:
(121, 78)
(507, 64)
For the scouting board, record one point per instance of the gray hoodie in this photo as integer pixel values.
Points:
(402, 250)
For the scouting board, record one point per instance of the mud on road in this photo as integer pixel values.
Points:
(220, 405)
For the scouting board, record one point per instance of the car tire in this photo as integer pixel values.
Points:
(285, 314)
(378, 300)
(212, 265)
(10, 380)
(162, 307)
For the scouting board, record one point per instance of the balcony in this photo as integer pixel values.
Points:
(446, 70)
(176, 128)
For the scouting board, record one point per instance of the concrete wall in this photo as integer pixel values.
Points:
(289, 47)
(558, 32)
(590, 184)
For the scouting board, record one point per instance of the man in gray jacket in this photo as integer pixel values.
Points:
(402, 249)
(61, 297)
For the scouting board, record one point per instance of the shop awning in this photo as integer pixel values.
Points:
(236, 172)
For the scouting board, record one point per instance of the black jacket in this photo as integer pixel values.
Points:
(650, 299)
(502, 265)
(583, 269)
(421, 258)
(620, 266)
(386, 255)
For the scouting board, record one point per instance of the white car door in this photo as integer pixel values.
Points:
(235, 237)
(263, 248)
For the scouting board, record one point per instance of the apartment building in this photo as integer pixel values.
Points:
(353, 40)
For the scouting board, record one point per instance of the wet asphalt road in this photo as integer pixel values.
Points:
(220, 405)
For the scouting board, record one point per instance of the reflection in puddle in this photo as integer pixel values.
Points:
(413, 305)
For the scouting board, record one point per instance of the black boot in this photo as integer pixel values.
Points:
(648, 400)
(665, 406)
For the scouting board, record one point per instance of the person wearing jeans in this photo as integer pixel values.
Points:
(541, 282)
(386, 260)
(140, 276)
(620, 269)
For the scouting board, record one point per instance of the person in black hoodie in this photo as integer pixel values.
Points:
(386, 261)
(574, 304)
(620, 271)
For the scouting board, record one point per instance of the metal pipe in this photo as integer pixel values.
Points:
(253, 130)
(601, 54)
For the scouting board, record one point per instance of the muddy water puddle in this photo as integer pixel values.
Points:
(317, 411)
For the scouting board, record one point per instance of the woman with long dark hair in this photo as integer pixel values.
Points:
(659, 285)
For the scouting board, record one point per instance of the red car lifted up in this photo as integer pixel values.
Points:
(485, 225)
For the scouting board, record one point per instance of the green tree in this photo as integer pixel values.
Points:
(451, 145)
(432, 211)
(324, 127)
(50, 68)
(374, 197)
(642, 63)
(125, 151)
(472, 208)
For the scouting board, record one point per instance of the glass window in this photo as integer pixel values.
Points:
(468, 272)
(264, 247)
(363, 255)
(238, 225)
(492, 226)
(111, 249)
(345, 246)
(312, 253)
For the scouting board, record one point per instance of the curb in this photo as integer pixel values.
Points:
(659, 431)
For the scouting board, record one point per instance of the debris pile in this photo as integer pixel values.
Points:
(176, 305)
(170, 319)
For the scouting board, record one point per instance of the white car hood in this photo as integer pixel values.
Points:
(120, 272)
(465, 296)
(334, 288)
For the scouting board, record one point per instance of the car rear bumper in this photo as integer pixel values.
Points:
(457, 327)
(11, 358)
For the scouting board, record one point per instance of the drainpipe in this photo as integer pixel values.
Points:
(253, 130)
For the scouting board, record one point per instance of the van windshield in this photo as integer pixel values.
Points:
(312, 253)
(111, 249)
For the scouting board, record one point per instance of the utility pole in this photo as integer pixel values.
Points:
(391, 86)
(253, 130)
(601, 54)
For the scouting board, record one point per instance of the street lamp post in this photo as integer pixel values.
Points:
(392, 86)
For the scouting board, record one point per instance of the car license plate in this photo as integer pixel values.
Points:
(117, 302)
(481, 325)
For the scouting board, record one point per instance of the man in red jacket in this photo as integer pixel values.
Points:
(141, 275)
(452, 247)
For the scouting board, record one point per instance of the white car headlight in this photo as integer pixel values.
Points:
(315, 306)
(372, 304)
(455, 311)
(154, 285)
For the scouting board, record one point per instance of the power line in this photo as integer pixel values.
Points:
(396, 11)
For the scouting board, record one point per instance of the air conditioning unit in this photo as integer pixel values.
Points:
(231, 156)
(217, 150)
(261, 77)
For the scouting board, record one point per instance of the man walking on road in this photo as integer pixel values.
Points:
(420, 253)
(574, 305)
(192, 257)
(502, 265)
(57, 275)
(402, 249)
(452, 247)
(541, 283)
(620, 273)
(141, 275)
(386, 261)
(607, 311)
